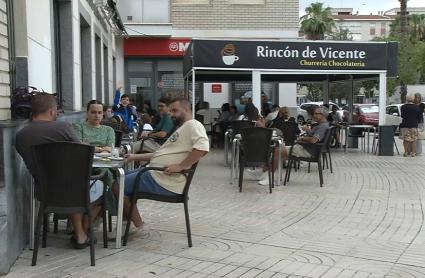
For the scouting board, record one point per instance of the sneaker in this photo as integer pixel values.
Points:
(255, 173)
(264, 181)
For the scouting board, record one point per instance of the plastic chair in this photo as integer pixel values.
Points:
(63, 171)
(319, 148)
(256, 149)
(179, 198)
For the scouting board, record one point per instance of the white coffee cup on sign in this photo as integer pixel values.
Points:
(230, 60)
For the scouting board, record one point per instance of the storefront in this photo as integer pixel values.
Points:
(154, 68)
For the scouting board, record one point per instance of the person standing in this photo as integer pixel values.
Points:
(123, 109)
(409, 126)
(421, 105)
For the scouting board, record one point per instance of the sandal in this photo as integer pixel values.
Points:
(82, 245)
(413, 154)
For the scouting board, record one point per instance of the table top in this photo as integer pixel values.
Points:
(108, 163)
(362, 126)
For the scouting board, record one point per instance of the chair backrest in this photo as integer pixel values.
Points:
(63, 170)
(118, 138)
(189, 177)
(238, 125)
(328, 138)
(199, 118)
(256, 143)
(289, 131)
(355, 131)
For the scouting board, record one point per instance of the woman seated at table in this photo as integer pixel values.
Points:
(102, 138)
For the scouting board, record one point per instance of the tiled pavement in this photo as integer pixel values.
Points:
(367, 221)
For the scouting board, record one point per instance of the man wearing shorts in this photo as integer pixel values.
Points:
(185, 147)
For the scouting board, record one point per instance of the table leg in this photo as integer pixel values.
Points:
(232, 160)
(32, 215)
(121, 178)
(368, 139)
(346, 138)
(226, 148)
(279, 163)
(237, 152)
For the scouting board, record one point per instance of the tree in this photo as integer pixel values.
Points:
(403, 17)
(314, 92)
(317, 21)
(342, 34)
(369, 87)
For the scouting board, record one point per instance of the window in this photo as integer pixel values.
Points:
(193, 2)
(372, 29)
(383, 29)
(248, 2)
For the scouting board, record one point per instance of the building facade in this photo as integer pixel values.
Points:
(362, 27)
(161, 30)
(69, 47)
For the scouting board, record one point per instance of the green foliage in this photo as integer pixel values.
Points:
(342, 34)
(315, 92)
(317, 22)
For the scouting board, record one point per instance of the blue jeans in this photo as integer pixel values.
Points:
(146, 184)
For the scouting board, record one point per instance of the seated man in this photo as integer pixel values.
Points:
(185, 147)
(304, 147)
(161, 131)
(43, 128)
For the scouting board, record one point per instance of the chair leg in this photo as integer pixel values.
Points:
(241, 168)
(110, 222)
(288, 167)
(92, 254)
(105, 231)
(320, 173)
(127, 227)
(186, 215)
(55, 223)
(395, 144)
(308, 169)
(45, 223)
(330, 162)
(37, 235)
(270, 179)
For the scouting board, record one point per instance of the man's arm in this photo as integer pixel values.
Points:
(193, 157)
(309, 139)
(138, 157)
(158, 134)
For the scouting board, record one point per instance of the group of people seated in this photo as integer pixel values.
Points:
(187, 144)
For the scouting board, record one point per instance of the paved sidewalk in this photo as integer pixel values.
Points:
(367, 221)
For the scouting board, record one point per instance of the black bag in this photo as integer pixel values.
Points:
(21, 102)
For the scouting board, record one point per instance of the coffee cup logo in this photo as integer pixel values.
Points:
(228, 53)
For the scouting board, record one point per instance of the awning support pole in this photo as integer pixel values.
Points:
(382, 97)
(256, 89)
(193, 93)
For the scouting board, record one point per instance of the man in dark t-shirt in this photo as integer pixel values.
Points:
(43, 128)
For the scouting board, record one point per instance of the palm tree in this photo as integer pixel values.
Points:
(403, 17)
(317, 21)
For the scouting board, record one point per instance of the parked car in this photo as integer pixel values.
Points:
(303, 110)
(393, 109)
(366, 114)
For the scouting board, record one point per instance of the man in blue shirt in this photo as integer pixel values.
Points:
(123, 109)
(165, 127)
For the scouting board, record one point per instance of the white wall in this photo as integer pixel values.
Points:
(216, 100)
(287, 94)
(39, 36)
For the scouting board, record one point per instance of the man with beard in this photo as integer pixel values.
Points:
(185, 147)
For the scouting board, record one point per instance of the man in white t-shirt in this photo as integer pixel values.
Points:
(185, 147)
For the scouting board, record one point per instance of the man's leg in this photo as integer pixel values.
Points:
(135, 215)
(94, 213)
(77, 223)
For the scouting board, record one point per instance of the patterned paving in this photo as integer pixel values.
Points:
(367, 221)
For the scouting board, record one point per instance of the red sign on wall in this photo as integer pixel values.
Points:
(216, 88)
(156, 46)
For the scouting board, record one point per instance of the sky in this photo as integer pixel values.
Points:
(363, 6)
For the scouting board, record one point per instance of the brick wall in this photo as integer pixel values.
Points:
(222, 15)
(4, 65)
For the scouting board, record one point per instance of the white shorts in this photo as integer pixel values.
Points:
(298, 151)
